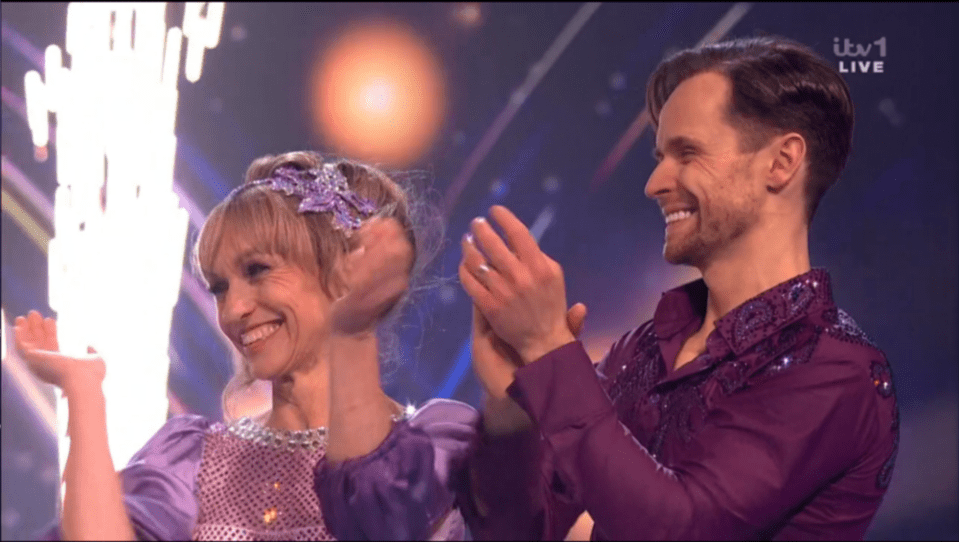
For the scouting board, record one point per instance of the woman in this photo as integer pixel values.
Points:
(305, 260)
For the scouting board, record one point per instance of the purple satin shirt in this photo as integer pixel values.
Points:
(785, 428)
(194, 479)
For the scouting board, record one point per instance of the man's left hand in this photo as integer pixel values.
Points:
(519, 289)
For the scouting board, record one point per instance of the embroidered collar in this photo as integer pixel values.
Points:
(753, 320)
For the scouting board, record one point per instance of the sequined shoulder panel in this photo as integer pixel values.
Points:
(250, 490)
(840, 325)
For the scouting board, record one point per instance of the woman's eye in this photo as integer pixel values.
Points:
(255, 269)
(218, 288)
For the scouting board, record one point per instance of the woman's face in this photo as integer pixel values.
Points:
(274, 312)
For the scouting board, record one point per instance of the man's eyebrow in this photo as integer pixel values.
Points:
(675, 144)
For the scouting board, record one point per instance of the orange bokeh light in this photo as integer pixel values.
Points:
(378, 94)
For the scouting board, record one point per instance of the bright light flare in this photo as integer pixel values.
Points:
(379, 97)
(468, 14)
(378, 94)
(115, 263)
(3, 333)
(203, 32)
(37, 108)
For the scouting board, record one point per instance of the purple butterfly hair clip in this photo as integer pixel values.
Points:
(323, 190)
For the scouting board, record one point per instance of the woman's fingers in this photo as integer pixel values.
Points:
(35, 323)
(24, 332)
(50, 329)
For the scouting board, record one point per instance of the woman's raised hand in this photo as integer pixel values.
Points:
(35, 338)
(372, 277)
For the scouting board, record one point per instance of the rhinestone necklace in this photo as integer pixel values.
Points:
(307, 439)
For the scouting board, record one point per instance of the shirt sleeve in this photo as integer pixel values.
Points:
(510, 494)
(512, 481)
(159, 482)
(404, 489)
(759, 454)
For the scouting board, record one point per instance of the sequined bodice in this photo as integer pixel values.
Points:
(249, 490)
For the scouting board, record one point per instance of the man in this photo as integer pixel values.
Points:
(750, 406)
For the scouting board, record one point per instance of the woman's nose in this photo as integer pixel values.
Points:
(238, 303)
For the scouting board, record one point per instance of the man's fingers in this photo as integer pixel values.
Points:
(576, 319)
(498, 254)
(473, 287)
(481, 271)
(472, 257)
(480, 324)
(520, 240)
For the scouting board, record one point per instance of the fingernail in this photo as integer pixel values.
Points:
(479, 219)
(468, 238)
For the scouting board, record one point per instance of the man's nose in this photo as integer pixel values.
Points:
(659, 181)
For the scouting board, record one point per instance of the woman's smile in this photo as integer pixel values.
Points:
(255, 338)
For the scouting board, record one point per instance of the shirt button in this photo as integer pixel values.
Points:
(654, 398)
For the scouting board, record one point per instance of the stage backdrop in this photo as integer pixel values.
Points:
(537, 107)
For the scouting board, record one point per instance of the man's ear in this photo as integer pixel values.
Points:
(788, 155)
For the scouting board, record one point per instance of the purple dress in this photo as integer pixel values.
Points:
(197, 479)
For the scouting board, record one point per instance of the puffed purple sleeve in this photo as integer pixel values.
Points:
(159, 481)
(406, 488)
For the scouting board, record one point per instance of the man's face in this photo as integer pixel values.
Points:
(706, 188)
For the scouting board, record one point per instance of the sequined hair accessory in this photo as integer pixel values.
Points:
(323, 190)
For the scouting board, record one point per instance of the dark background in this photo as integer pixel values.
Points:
(887, 230)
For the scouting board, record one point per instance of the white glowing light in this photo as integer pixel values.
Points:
(378, 96)
(37, 108)
(115, 263)
(202, 32)
(3, 333)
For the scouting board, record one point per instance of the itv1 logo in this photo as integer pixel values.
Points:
(847, 48)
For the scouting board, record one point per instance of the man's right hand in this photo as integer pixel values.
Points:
(495, 361)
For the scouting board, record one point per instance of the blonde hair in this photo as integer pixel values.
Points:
(269, 220)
